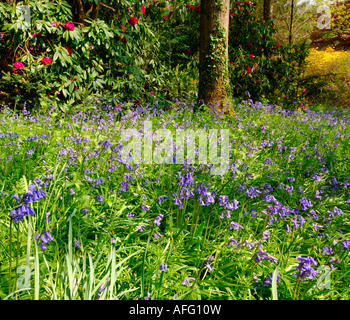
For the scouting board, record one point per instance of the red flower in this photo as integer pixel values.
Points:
(272, 26)
(238, 3)
(133, 20)
(18, 65)
(251, 56)
(69, 26)
(143, 9)
(199, 10)
(247, 3)
(192, 7)
(249, 44)
(69, 50)
(278, 46)
(188, 6)
(188, 50)
(166, 18)
(122, 27)
(46, 61)
(232, 14)
(249, 70)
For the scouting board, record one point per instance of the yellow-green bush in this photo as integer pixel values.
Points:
(330, 73)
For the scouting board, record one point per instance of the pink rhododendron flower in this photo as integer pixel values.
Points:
(69, 26)
(18, 65)
(133, 20)
(46, 61)
(69, 50)
(166, 18)
(143, 9)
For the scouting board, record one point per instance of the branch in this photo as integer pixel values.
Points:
(107, 6)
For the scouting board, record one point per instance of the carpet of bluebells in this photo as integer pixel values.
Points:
(78, 222)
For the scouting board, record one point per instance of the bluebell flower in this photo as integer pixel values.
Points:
(266, 235)
(163, 267)
(231, 242)
(140, 228)
(145, 207)
(305, 204)
(262, 255)
(158, 219)
(268, 280)
(102, 287)
(148, 296)
(186, 282)
(42, 246)
(157, 235)
(235, 225)
(20, 212)
(252, 192)
(232, 205)
(161, 199)
(100, 198)
(210, 269)
(99, 181)
(305, 269)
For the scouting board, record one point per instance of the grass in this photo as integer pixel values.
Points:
(175, 231)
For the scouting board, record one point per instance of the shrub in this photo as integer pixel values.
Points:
(330, 73)
(259, 65)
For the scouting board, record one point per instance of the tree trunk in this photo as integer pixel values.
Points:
(291, 22)
(81, 12)
(213, 54)
(267, 10)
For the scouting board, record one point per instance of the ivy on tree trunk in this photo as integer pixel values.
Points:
(213, 54)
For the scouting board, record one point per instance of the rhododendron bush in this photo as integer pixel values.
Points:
(71, 58)
(126, 50)
(258, 65)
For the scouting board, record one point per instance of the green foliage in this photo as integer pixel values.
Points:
(101, 253)
(274, 69)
